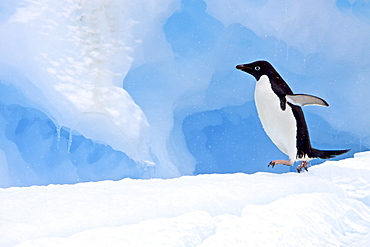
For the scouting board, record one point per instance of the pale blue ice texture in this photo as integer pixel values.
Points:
(181, 73)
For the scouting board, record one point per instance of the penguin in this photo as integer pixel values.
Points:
(282, 118)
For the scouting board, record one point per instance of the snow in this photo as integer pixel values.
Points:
(327, 206)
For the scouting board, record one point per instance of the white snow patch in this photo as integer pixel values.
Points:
(323, 207)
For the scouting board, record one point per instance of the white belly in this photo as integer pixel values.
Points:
(279, 125)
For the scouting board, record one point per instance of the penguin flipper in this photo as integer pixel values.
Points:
(305, 99)
(283, 103)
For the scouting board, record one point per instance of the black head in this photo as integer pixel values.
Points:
(257, 69)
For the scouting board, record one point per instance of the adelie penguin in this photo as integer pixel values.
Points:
(281, 115)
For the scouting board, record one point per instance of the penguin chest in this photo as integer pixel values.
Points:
(279, 125)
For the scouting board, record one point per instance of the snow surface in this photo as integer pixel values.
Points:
(327, 206)
(108, 89)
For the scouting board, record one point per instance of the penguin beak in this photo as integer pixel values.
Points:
(243, 67)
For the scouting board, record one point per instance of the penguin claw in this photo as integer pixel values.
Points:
(272, 164)
(303, 164)
(300, 169)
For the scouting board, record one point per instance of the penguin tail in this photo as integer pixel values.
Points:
(327, 154)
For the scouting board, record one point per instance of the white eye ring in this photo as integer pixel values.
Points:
(257, 68)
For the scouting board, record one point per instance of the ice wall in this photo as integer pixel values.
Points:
(66, 61)
(75, 55)
(94, 90)
(319, 48)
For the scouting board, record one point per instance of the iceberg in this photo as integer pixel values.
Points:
(96, 90)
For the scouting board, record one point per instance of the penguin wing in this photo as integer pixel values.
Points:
(305, 99)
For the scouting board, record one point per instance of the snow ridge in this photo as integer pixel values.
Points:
(318, 208)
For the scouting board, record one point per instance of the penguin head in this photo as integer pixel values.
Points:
(257, 69)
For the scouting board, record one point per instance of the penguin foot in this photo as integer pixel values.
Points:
(281, 162)
(302, 165)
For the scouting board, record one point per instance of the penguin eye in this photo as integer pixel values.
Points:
(257, 68)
